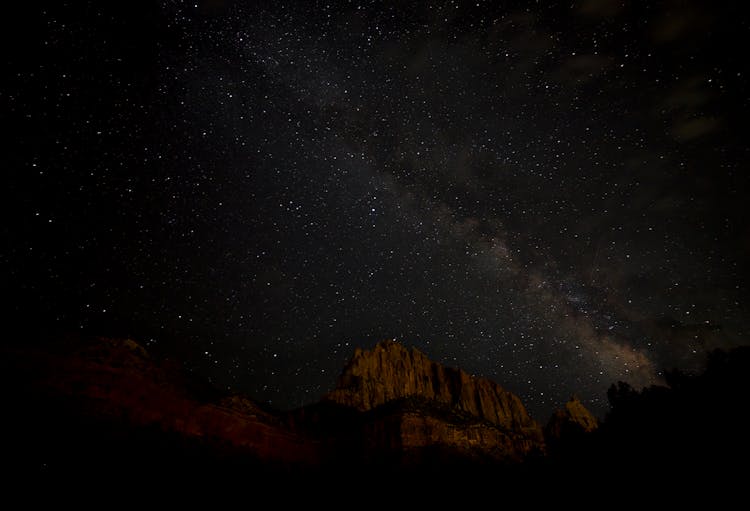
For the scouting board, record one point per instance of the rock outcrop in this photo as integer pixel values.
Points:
(573, 418)
(438, 405)
(405, 432)
(390, 371)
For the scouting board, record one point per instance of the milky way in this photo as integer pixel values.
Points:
(552, 197)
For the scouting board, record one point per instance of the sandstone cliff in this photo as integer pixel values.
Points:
(390, 371)
(573, 418)
(454, 408)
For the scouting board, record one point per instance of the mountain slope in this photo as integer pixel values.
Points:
(104, 402)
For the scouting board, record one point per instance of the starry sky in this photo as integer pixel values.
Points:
(549, 194)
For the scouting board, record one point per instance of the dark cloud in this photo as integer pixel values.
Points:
(691, 105)
(689, 95)
(598, 9)
(578, 69)
(687, 130)
(680, 22)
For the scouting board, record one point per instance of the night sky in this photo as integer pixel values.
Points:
(549, 194)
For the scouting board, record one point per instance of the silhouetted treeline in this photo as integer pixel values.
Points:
(692, 429)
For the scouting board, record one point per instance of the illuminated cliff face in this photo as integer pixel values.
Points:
(390, 371)
(436, 405)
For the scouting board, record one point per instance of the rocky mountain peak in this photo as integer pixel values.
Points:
(574, 417)
(391, 371)
(579, 414)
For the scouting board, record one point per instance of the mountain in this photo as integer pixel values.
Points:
(107, 403)
(107, 411)
(413, 403)
(573, 418)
